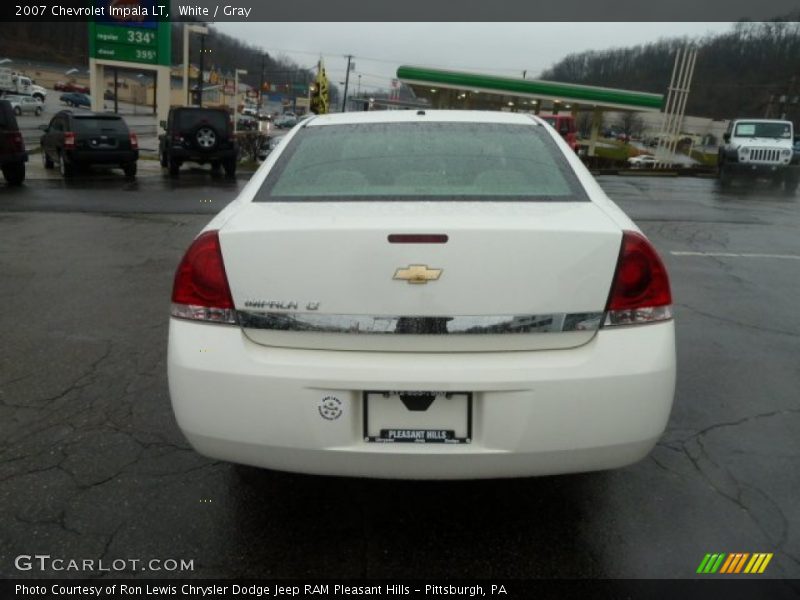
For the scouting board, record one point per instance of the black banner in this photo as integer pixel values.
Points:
(408, 10)
(650, 589)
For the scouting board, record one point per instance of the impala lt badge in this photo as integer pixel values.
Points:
(417, 274)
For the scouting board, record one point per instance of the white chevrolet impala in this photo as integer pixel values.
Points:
(422, 294)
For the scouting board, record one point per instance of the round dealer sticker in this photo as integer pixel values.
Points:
(330, 408)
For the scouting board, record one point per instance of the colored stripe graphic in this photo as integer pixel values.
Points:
(735, 563)
(727, 564)
(703, 563)
(754, 563)
(764, 564)
(730, 564)
(741, 562)
(711, 563)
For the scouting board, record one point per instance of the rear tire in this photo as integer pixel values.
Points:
(37, 112)
(46, 162)
(18, 111)
(174, 166)
(230, 167)
(66, 168)
(130, 170)
(162, 158)
(216, 165)
(14, 173)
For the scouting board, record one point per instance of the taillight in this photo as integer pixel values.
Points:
(69, 140)
(200, 291)
(17, 145)
(134, 141)
(640, 291)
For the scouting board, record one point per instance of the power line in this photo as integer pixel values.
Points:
(393, 61)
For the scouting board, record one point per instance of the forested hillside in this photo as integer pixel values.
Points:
(736, 73)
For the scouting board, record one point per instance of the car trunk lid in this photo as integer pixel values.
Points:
(511, 275)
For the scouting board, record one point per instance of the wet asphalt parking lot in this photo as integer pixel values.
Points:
(93, 466)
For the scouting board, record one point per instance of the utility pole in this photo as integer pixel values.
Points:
(187, 29)
(346, 81)
(261, 87)
(200, 74)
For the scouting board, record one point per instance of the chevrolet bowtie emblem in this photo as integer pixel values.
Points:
(417, 274)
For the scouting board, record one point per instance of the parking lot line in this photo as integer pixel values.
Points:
(733, 254)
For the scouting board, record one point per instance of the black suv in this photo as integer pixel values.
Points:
(12, 147)
(201, 135)
(73, 140)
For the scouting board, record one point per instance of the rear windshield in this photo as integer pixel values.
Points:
(99, 125)
(421, 161)
(767, 130)
(196, 117)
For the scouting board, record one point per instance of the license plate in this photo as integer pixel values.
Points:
(418, 417)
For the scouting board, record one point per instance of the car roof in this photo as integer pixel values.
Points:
(89, 115)
(414, 116)
(216, 108)
(763, 120)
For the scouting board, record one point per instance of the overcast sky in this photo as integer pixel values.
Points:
(498, 48)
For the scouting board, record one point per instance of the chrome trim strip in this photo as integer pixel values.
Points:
(461, 325)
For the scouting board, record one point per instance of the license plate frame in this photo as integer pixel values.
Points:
(380, 433)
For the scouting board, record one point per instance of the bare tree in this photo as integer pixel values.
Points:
(631, 124)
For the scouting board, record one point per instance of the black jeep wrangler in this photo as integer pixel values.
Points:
(201, 135)
(12, 148)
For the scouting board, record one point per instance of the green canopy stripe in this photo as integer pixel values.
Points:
(564, 91)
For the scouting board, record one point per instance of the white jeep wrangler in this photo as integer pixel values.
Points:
(759, 148)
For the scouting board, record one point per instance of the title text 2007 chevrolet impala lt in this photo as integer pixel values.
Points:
(422, 294)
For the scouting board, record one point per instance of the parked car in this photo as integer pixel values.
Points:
(25, 105)
(642, 161)
(200, 135)
(12, 147)
(286, 122)
(70, 86)
(75, 99)
(386, 301)
(74, 140)
(759, 148)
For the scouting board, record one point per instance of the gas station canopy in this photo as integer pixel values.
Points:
(457, 89)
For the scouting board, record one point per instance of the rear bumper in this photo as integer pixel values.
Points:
(602, 405)
(181, 153)
(13, 157)
(101, 157)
